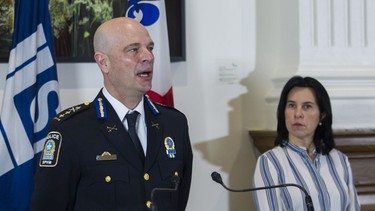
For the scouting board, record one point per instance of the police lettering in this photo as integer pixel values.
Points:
(54, 136)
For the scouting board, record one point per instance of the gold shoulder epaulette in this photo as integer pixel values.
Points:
(67, 113)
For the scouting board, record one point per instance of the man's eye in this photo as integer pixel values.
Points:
(133, 50)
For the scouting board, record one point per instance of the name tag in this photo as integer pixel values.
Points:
(106, 156)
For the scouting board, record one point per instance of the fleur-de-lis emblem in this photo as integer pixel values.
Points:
(143, 11)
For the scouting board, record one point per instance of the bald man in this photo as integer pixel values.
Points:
(93, 161)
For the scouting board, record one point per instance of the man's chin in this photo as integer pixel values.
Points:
(145, 89)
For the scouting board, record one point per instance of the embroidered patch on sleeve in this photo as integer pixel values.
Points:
(51, 150)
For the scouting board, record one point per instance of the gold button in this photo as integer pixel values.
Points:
(146, 176)
(176, 173)
(108, 178)
(148, 204)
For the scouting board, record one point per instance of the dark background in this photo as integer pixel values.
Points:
(176, 29)
(81, 50)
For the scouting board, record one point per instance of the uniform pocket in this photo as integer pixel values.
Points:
(109, 173)
(171, 168)
(104, 186)
(168, 200)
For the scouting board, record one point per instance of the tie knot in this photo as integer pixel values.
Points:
(132, 118)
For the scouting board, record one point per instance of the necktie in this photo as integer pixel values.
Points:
(132, 119)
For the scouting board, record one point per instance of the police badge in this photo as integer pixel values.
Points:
(51, 150)
(169, 147)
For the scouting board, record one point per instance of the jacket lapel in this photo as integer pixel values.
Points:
(114, 131)
(154, 134)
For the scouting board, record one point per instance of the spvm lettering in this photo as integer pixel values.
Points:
(46, 162)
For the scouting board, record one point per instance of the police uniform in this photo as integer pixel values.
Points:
(90, 163)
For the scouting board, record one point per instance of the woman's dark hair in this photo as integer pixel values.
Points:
(323, 137)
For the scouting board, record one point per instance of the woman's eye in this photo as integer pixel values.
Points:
(290, 105)
(307, 106)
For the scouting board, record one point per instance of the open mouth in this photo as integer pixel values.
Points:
(145, 74)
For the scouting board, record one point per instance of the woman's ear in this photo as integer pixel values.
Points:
(322, 116)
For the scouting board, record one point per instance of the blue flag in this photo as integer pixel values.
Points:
(30, 101)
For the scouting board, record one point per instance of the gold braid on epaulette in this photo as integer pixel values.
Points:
(166, 106)
(70, 111)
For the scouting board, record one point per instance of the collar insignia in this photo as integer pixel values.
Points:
(110, 129)
(155, 125)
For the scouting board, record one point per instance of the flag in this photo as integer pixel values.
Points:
(30, 101)
(152, 14)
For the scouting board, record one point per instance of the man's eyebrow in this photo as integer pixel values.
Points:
(132, 45)
(137, 45)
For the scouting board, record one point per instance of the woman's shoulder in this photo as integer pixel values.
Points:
(335, 153)
(274, 152)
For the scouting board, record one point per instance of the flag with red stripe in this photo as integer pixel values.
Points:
(152, 14)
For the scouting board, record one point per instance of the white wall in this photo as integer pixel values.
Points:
(218, 33)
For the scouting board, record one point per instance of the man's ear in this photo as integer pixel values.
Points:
(102, 60)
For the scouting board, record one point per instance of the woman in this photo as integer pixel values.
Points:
(305, 155)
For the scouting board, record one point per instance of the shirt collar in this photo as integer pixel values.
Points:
(299, 149)
(120, 108)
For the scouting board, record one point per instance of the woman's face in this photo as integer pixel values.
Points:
(302, 115)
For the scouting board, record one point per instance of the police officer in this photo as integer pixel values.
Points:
(92, 161)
